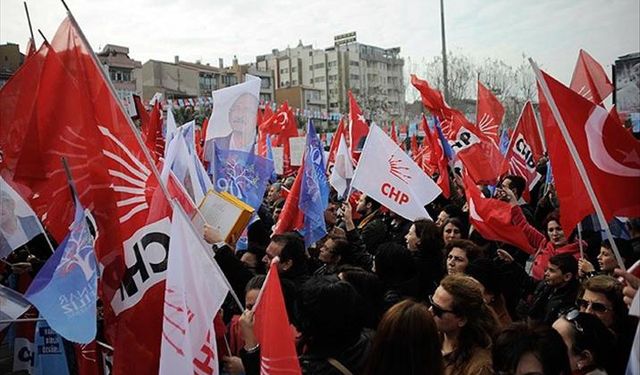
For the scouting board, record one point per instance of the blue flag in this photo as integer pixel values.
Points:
(48, 351)
(243, 174)
(446, 147)
(64, 291)
(314, 190)
(504, 141)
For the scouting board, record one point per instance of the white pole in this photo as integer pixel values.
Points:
(576, 157)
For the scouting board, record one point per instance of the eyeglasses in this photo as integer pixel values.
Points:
(598, 307)
(572, 317)
(437, 310)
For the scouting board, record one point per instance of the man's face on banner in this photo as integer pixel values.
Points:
(243, 113)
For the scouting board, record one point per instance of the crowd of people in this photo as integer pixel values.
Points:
(383, 295)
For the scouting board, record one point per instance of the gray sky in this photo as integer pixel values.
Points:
(550, 31)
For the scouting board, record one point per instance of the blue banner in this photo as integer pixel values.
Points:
(48, 352)
(64, 291)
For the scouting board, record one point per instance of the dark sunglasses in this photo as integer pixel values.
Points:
(437, 310)
(572, 317)
(595, 306)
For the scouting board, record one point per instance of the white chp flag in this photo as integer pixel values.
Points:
(190, 304)
(12, 305)
(342, 171)
(19, 224)
(170, 129)
(233, 118)
(388, 175)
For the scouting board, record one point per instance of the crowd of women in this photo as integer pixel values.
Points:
(383, 295)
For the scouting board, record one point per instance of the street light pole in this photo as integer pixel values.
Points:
(444, 53)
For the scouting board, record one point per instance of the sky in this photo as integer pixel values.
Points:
(549, 31)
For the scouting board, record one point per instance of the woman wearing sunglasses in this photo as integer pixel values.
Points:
(466, 325)
(590, 344)
(602, 296)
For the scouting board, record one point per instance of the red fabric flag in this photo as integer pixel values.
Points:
(335, 142)
(143, 115)
(283, 125)
(480, 156)
(492, 218)
(291, 218)
(609, 153)
(524, 148)
(438, 159)
(152, 135)
(590, 80)
(87, 359)
(414, 145)
(358, 128)
(277, 342)
(394, 134)
(615, 116)
(73, 113)
(489, 114)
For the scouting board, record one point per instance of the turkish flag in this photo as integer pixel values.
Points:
(492, 218)
(152, 135)
(60, 105)
(283, 125)
(277, 342)
(291, 217)
(489, 114)
(610, 155)
(590, 80)
(525, 148)
(358, 128)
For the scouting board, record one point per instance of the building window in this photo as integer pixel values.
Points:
(318, 79)
(354, 77)
(332, 78)
(293, 69)
(333, 92)
(294, 82)
(332, 64)
(354, 63)
(265, 82)
(319, 66)
(284, 70)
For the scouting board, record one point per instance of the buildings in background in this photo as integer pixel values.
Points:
(10, 60)
(373, 74)
(184, 80)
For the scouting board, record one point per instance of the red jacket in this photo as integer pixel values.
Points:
(545, 249)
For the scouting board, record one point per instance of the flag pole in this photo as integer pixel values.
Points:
(145, 151)
(576, 158)
(26, 10)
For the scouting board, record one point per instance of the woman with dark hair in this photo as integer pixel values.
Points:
(466, 324)
(425, 244)
(406, 342)
(486, 273)
(395, 267)
(528, 349)
(370, 291)
(589, 343)
(330, 326)
(459, 254)
(453, 229)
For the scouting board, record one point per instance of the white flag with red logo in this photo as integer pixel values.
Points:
(388, 175)
(190, 302)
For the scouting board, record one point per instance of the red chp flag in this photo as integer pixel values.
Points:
(610, 155)
(438, 159)
(479, 155)
(59, 105)
(525, 148)
(489, 114)
(394, 134)
(152, 135)
(590, 80)
(492, 218)
(277, 342)
(358, 128)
